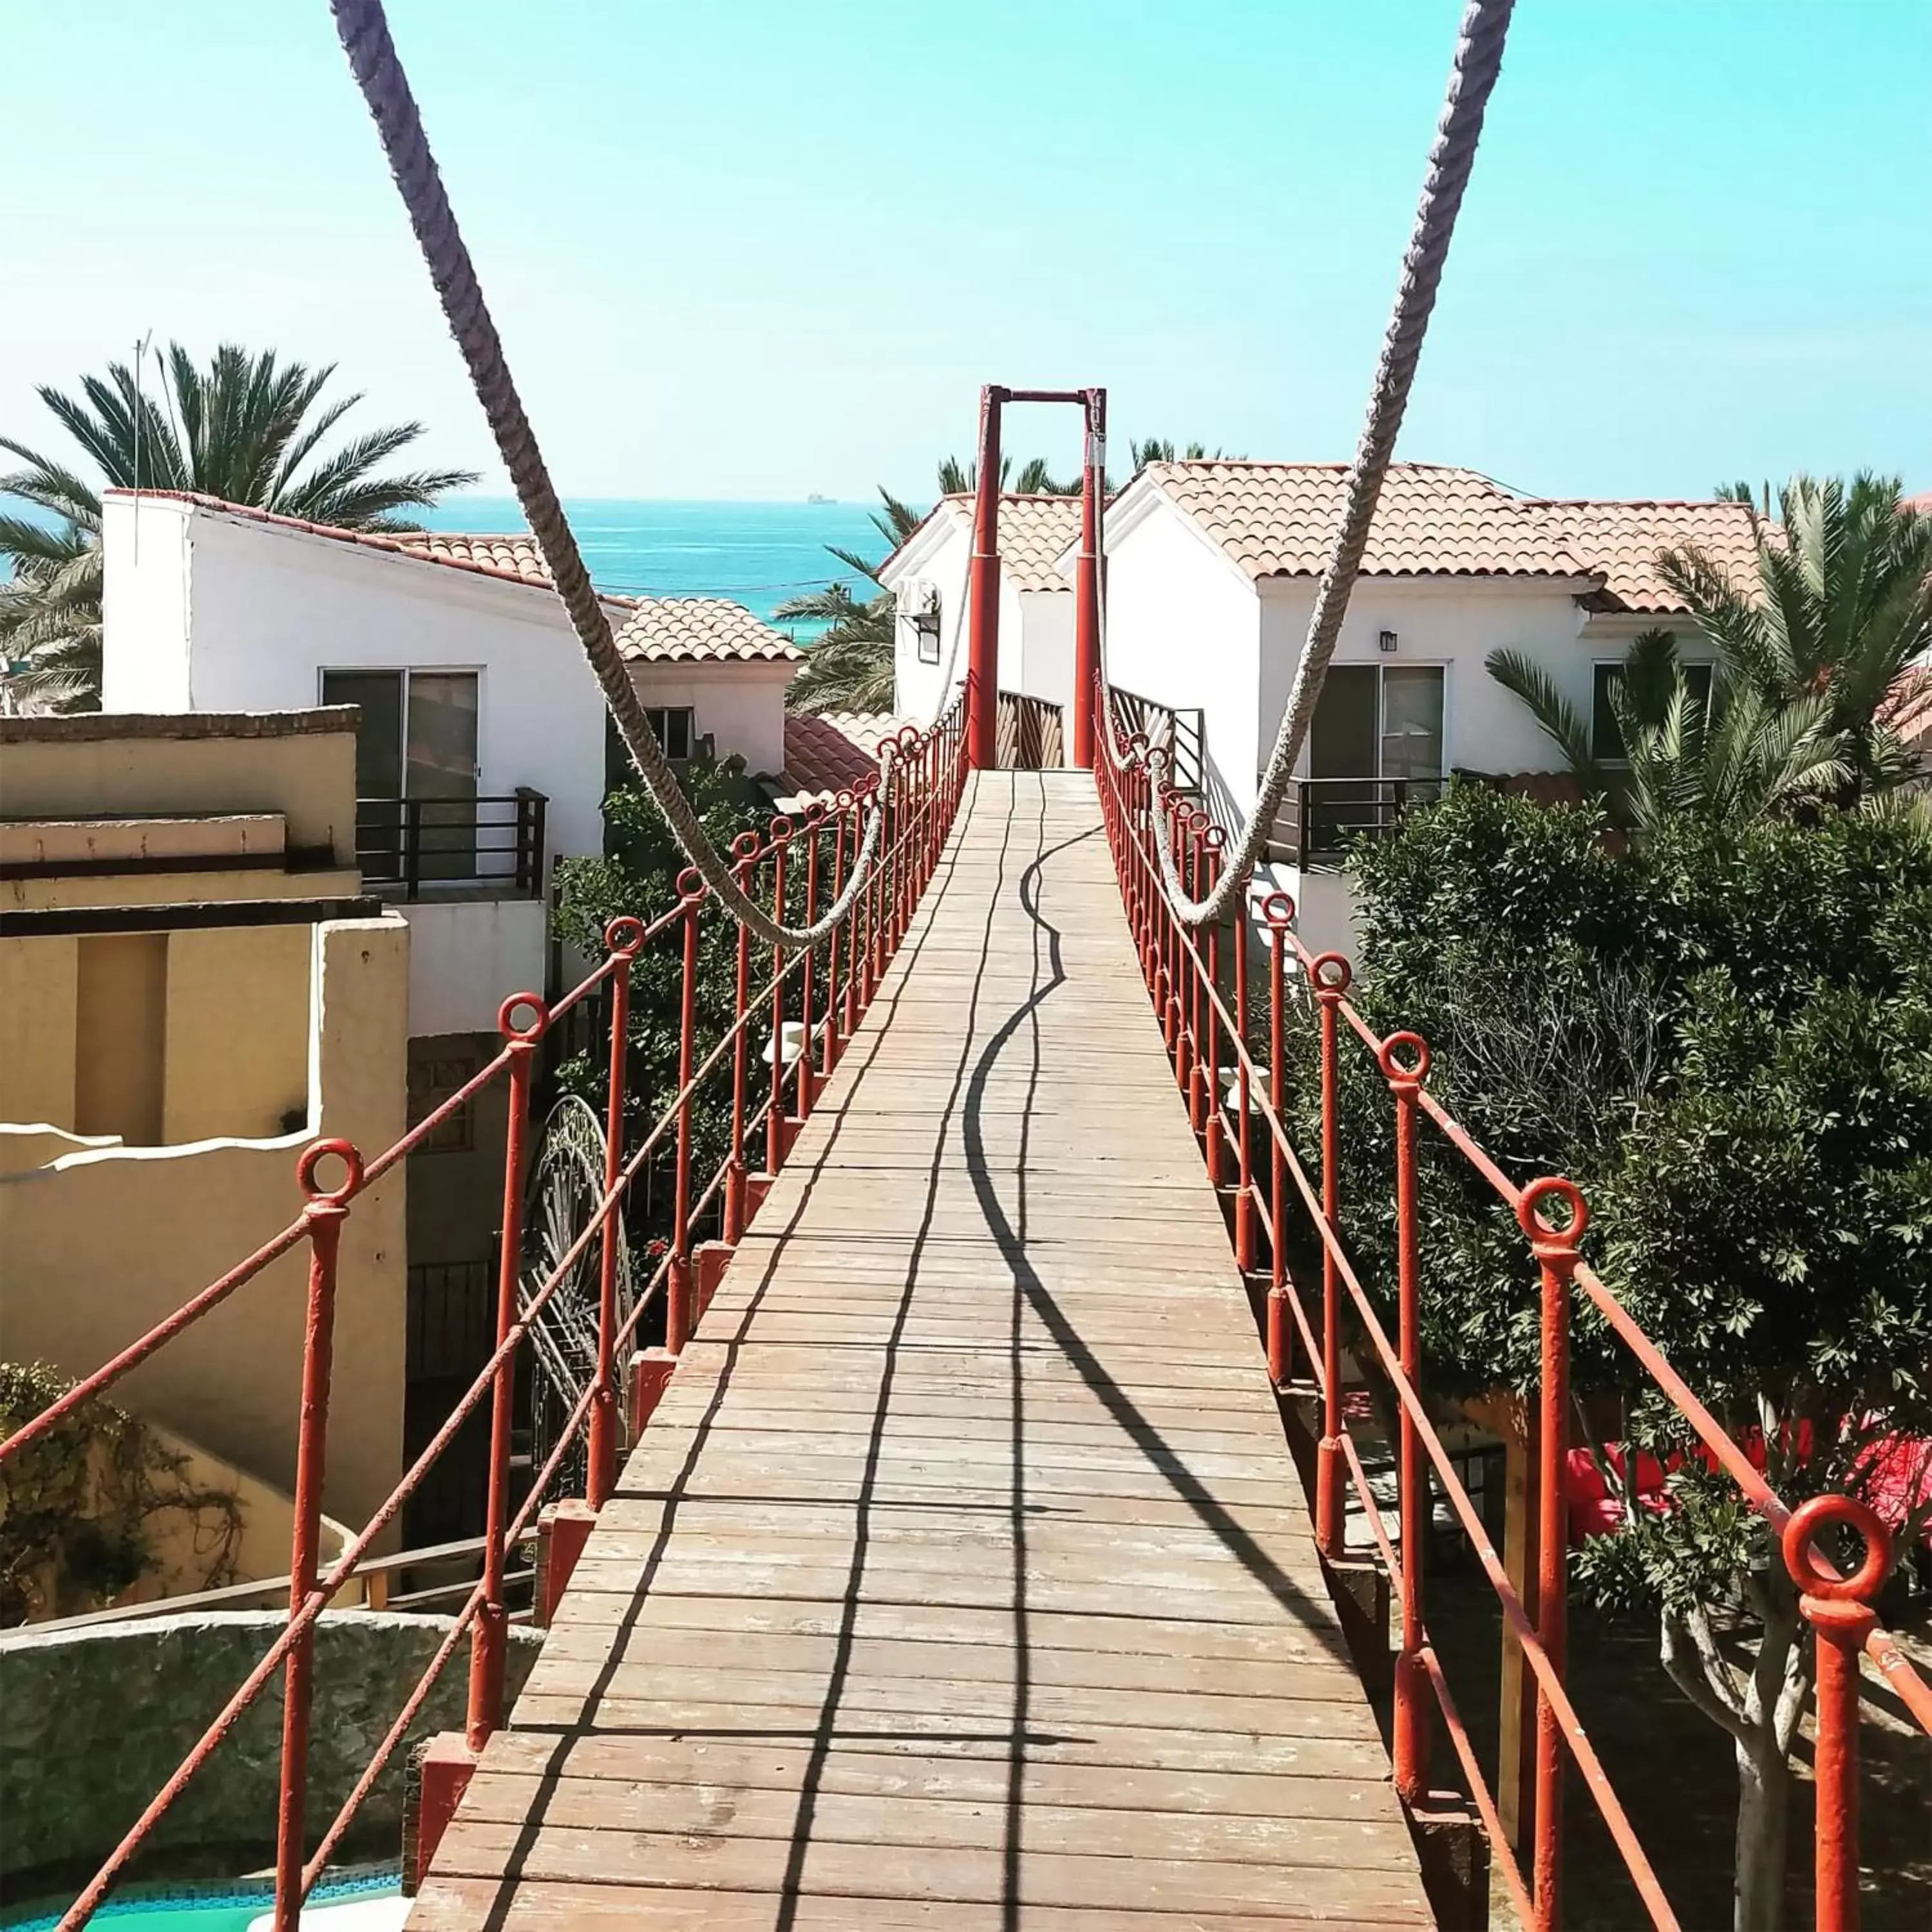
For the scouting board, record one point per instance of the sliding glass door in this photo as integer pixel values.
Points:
(415, 770)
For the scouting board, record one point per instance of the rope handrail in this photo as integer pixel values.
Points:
(364, 30)
(1477, 62)
(1182, 966)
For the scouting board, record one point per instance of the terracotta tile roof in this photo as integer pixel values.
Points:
(1035, 532)
(515, 556)
(700, 629)
(512, 559)
(830, 753)
(1278, 519)
(1622, 541)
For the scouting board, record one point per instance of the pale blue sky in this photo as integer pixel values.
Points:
(754, 248)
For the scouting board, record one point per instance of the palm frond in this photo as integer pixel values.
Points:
(1559, 719)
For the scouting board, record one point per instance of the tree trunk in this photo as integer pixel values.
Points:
(1764, 1806)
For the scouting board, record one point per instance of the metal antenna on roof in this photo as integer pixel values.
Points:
(140, 357)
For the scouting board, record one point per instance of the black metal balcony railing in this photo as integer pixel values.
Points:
(1180, 732)
(1319, 817)
(1028, 733)
(411, 842)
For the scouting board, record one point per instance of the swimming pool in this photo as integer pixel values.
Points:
(203, 1908)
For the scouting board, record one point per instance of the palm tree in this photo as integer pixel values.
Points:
(1841, 610)
(1729, 756)
(248, 429)
(850, 668)
(1156, 449)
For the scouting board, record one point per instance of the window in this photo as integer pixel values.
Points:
(676, 730)
(1607, 737)
(417, 741)
(926, 629)
(1377, 721)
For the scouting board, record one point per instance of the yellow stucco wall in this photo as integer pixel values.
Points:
(120, 1004)
(301, 766)
(96, 1247)
(237, 1029)
(37, 986)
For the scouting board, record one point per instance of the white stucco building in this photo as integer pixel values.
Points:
(1211, 573)
(928, 576)
(482, 750)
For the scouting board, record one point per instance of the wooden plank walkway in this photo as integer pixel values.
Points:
(963, 1579)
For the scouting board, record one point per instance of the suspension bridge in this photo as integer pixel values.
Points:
(962, 1568)
(945, 1563)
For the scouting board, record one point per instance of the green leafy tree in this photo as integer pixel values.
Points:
(248, 428)
(1723, 1035)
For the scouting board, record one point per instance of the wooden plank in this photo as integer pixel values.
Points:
(963, 1579)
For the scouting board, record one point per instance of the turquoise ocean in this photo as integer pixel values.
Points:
(757, 554)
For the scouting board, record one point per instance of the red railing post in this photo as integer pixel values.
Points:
(1210, 1019)
(1278, 909)
(1330, 973)
(745, 851)
(489, 1636)
(815, 817)
(678, 1311)
(858, 944)
(1555, 1249)
(1244, 1184)
(622, 936)
(835, 1006)
(774, 1117)
(322, 1218)
(1410, 1747)
(1839, 1611)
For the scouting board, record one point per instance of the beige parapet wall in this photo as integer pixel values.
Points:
(99, 1240)
(298, 766)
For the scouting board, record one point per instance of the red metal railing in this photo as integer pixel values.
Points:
(1205, 1015)
(828, 987)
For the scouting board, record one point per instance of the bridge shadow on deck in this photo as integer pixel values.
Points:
(960, 1135)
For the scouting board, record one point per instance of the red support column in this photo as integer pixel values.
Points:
(1086, 583)
(322, 1219)
(489, 1636)
(1410, 1742)
(622, 936)
(814, 817)
(1210, 1069)
(982, 673)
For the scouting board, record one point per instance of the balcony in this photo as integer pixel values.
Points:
(1320, 817)
(481, 848)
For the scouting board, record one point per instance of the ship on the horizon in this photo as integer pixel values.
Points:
(814, 497)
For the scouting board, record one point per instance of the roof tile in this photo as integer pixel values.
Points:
(700, 629)
(1623, 540)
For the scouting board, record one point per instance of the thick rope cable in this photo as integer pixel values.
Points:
(364, 30)
(1478, 59)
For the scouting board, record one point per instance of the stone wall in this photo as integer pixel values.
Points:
(93, 1721)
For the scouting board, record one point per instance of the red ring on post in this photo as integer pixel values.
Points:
(907, 737)
(1278, 909)
(691, 883)
(315, 1153)
(1812, 1573)
(842, 799)
(1214, 838)
(506, 1019)
(1537, 1226)
(624, 935)
(1331, 973)
(814, 815)
(1397, 1074)
(746, 845)
(781, 829)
